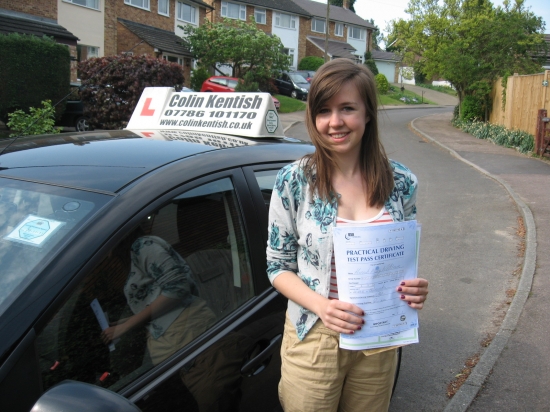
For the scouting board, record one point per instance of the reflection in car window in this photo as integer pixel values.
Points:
(266, 180)
(297, 78)
(185, 267)
(34, 219)
(232, 83)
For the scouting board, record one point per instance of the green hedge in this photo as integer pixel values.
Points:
(310, 63)
(32, 69)
(517, 139)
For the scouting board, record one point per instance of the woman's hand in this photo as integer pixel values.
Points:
(113, 332)
(414, 292)
(341, 316)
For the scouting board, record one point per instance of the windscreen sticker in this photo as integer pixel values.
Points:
(34, 230)
(244, 114)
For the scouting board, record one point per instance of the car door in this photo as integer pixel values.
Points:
(284, 84)
(220, 350)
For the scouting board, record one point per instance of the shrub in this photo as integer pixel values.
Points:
(518, 139)
(32, 69)
(198, 76)
(38, 121)
(113, 85)
(472, 108)
(382, 83)
(370, 63)
(310, 63)
(247, 84)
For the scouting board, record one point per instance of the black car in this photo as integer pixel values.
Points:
(73, 116)
(293, 85)
(306, 74)
(70, 205)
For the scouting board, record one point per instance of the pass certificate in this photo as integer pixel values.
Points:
(371, 261)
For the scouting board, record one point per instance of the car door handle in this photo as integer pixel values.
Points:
(257, 364)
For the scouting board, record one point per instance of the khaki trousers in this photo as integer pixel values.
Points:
(318, 376)
(190, 324)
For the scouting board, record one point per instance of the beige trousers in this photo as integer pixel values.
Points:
(189, 325)
(318, 376)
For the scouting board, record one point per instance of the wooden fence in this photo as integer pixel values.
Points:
(525, 96)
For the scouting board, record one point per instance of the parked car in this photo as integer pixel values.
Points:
(192, 181)
(306, 74)
(66, 233)
(74, 111)
(227, 84)
(293, 85)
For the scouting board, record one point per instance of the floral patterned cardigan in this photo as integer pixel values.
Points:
(300, 231)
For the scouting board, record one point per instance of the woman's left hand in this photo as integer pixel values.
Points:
(414, 292)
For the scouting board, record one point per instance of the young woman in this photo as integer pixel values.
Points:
(348, 179)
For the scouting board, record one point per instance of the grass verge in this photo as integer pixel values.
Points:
(289, 105)
(395, 97)
(442, 89)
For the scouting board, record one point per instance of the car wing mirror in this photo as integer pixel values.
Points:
(72, 396)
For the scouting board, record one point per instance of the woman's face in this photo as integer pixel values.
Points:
(342, 120)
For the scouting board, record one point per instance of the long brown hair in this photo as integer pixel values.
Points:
(375, 167)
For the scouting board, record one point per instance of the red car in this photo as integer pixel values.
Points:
(217, 84)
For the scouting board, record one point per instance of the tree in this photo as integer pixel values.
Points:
(310, 63)
(469, 42)
(340, 3)
(370, 63)
(113, 85)
(240, 45)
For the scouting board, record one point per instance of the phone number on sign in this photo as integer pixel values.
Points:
(215, 114)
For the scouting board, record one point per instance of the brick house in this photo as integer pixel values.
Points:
(278, 17)
(107, 27)
(349, 35)
(300, 24)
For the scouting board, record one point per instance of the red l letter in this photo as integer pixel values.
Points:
(146, 111)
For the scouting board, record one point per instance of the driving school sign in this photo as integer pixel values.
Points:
(244, 114)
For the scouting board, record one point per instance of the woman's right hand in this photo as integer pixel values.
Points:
(113, 332)
(341, 316)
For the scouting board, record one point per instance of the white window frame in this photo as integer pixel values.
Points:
(262, 13)
(180, 16)
(146, 4)
(290, 53)
(225, 10)
(339, 29)
(180, 59)
(291, 21)
(92, 51)
(351, 29)
(315, 23)
(87, 5)
(167, 3)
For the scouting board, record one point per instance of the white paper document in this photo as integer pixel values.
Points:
(101, 319)
(371, 261)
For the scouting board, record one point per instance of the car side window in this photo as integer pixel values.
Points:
(179, 272)
(266, 181)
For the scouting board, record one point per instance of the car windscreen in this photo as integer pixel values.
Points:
(36, 220)
(297, 78)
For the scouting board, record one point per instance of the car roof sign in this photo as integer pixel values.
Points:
(243, 114)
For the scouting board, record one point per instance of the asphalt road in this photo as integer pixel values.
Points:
(468, 252)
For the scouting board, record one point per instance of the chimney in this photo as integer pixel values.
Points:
(345, 4)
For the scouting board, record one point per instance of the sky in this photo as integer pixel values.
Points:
(382, 11)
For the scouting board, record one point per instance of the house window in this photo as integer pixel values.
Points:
(164, 7)
(173, 59)
(356, 33)
(339, 29)
(142, 4)
(259, 16)
(186, 13)
(92, 4)
(287, 21)
(93, 51)
(233, 10)
(290, 54)
(318, 25)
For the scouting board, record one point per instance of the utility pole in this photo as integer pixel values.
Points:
(326, 32)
